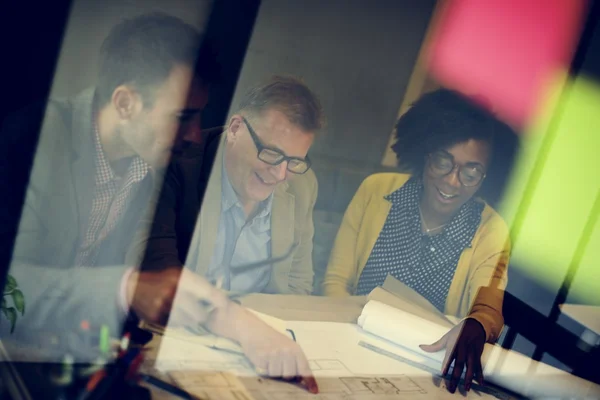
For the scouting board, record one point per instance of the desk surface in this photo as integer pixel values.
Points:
(307, 308)
(286, 307)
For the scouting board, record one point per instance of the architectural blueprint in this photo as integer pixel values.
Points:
(344, 370)
(225, 386)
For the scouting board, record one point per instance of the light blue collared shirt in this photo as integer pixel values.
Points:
(239, 242)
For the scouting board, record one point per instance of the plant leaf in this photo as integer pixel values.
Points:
(11, 315)
(19, 301)
(11, 283)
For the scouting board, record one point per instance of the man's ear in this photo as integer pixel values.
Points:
(233, 128)
(126, 102)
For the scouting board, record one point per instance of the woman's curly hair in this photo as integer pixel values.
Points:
(444, 118)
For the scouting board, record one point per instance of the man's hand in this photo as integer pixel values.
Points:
(464, 345)
(182, 297)
(272, 353)
(175, 295)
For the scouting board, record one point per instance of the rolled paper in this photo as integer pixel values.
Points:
(508, 369)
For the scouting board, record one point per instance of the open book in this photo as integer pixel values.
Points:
(405, 319)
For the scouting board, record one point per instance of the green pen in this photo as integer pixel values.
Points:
(64, 374)
(104, 344)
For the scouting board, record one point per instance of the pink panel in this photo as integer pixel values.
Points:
(505, 50)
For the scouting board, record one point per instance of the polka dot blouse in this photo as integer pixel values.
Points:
(424, 263)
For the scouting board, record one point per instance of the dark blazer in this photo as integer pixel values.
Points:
(192, 181)
(179, 203)
(57, 206)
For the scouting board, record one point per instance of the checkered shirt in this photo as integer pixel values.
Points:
(111, 198)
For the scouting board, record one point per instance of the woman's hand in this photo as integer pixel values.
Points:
(464, 345)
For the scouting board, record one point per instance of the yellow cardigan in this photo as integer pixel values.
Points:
(481, 269)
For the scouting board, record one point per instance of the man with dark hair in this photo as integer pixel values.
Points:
(96, 162)
(144, 50)
(258, 202)
(94, 173)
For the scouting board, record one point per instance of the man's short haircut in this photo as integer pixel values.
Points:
(289, 96)
(142, 52)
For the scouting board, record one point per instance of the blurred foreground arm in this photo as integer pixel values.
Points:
(179, 296)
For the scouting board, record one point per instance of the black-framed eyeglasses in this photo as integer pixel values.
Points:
(271, 156)
(442, 164)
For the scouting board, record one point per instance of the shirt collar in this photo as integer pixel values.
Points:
(231, 199)
(407, 196)
(104, 173)
(460, 229)
(136, 171)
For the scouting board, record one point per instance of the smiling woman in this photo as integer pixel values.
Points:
(427, 228)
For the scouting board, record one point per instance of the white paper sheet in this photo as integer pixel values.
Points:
(183, 350)
(223, 386)
(344, 371)
(338, 342)
(505, 368)
(407, 299)
(586, 315)
(176, 354)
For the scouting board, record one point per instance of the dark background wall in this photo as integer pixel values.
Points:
(357, 55)
(89, 23)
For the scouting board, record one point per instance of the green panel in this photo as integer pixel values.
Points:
(548, 233)
(585, 287)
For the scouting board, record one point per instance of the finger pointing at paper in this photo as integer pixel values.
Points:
(464, 345)
(184, 298)
(273, 354)
(276, 356)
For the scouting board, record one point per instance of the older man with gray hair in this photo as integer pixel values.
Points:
(256, 205)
